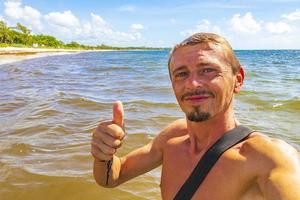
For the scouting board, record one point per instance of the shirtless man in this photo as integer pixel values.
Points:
(205, 76)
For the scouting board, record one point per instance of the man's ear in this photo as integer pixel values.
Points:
(239, 80)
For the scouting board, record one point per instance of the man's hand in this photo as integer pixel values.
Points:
(108, 136)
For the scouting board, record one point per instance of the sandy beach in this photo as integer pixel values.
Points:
(15, 54)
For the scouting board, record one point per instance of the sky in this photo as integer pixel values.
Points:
(255, 24)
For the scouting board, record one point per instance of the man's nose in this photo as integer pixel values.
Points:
(194, 81)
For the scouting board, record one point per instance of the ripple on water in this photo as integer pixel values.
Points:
(29, 128)
(109, 68)
(19, 149)
(44, 113)
(82, 102)
(290, 105)
(11, 106)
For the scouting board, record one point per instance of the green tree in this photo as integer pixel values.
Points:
(25, 32)
(73, 45)
(46, 40)
(5, 33)
(23, 29)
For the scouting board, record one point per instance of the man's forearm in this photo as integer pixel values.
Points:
(106, 173)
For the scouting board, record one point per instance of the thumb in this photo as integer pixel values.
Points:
(118, 113)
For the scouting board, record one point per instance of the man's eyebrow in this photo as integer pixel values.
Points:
(205, 64)
(179, 68)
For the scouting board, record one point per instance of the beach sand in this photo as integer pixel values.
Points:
(14, 54)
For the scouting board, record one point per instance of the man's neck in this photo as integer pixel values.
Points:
(204, 134)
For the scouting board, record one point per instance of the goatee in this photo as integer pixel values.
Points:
(197, 115)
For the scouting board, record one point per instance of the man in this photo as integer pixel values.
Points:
(205, 76)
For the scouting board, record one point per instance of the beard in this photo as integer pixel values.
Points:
(197, 115)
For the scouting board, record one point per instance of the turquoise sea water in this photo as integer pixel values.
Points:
(50, 105)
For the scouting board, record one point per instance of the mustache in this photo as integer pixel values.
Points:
(197, 92)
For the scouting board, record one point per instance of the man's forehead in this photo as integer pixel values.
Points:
(198, 52)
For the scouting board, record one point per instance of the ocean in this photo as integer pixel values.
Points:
(49, 107)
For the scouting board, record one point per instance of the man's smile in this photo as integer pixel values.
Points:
(197, 98)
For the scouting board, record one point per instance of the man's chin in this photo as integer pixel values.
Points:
(198, 116)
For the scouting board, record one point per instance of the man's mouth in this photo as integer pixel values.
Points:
(197, 98)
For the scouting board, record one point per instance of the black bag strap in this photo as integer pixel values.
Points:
(208, 160)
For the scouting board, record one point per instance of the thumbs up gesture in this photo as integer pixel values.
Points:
(108, 136)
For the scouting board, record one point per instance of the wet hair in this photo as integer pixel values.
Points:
(210, 38)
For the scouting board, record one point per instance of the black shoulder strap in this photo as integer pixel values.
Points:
(208, 160)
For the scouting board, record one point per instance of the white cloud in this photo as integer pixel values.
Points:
(1, 18)
(279, 27)
(98, 20)
(292, 16)
(14, 10)
(245, 24)
(173, 21)
(203, 26)
(65, 19)
(137, 26)
(127, 8)
(281, 34)
(66, 26)
(98, 29)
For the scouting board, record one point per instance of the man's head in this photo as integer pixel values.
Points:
(210, 38)
(205, 73)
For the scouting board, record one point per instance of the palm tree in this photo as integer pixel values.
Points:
(4, 33)
(23, 29)
(25, 32)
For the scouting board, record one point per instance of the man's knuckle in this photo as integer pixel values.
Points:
(113, 151)
(94, 153)
(118, 133)
(107, 151)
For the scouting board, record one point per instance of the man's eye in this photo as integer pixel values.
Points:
(208, 70)
(181, 74)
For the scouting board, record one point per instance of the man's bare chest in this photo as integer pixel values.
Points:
(230, 177)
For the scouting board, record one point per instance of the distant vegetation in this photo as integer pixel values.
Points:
(20, 36)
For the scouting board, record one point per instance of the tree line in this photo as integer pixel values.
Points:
(21, 36)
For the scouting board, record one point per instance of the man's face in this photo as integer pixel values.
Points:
(203, 81)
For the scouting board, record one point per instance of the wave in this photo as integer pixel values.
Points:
(11, 106)
(83, 102)
(292, 105)
(18, 149)
(21, 184)
(44, 113)
(109, 68)
(153, 103)
(252, 74)
(29, 128)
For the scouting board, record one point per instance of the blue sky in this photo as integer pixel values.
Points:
(255, 24)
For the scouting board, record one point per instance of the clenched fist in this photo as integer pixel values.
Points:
(108, 136)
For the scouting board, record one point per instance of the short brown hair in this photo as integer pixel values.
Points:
(208, 38)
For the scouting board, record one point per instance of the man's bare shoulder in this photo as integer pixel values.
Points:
(269, 153)
(276, 166)
(174, 130)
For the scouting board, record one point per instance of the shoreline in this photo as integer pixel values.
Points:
(16, 54)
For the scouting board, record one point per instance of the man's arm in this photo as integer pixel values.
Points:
(150, 156)
(133, 164)
(281, 180)
(106, 139)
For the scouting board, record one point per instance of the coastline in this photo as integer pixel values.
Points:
(15, 54)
